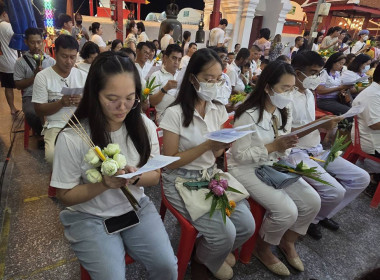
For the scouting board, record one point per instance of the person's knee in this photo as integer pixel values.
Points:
(165, 266)
(104, 269)
(312, 204)
(286, 215)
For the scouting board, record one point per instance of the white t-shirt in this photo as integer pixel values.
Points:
(47, 88)
(192, 136)
(357, 47)
(165, 41)
(369, 138)
(98, 40)
(224, 95)
(142, 37)
(330, 81)
(69, 169)
(216, 37)
(303, 112)
(184, 61)
(349, 76)
(234, 72)
(140, 70)
(83, 66)
(162, 77)
(9, 56)
(148, 65)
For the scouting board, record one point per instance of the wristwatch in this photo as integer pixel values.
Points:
(163, 90)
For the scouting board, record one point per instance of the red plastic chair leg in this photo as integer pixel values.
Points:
(163, 210)
(26, 135)
(376, 198)
(52, 192)
(185, 248)
(84, 274)
(258, 213)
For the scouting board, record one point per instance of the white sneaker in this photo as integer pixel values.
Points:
(225, 272)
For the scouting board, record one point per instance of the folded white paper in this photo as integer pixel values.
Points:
(353, 111)
(361, 79)
(155, 163)
(229, 135)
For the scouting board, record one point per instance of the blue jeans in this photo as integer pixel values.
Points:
(103, 255)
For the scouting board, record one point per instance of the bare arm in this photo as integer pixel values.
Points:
(375, 126)
(321, 89)
(23, 84)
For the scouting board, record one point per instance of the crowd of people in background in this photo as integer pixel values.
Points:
(193, 91)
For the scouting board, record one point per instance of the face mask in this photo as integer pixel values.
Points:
(311, 82)
(366, 68)
(280, 100)
(208, 91)
(365, 38)
(79, 22)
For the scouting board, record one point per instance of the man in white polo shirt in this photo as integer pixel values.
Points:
(143, 51)
(47, 97)
(217, 34)
(234, 70)
(191, 50)
(166, 78)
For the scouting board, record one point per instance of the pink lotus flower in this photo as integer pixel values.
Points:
(218, 191)
(213, 183)
(223, 183)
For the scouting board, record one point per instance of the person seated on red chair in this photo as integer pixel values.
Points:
(369, 125)
(26, 69)
(99, 220)
(184, 123)
(348, 179)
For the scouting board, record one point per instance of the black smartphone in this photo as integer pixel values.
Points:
(119, 223)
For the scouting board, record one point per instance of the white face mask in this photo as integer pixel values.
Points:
(311, 82)
(208, 91)
(280, 100)
(365, 38)
(366, 68)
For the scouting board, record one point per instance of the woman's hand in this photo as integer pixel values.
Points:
(113, 182)
(283, 143)
(216, 146)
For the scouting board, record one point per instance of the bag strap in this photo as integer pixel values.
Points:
(28, 62)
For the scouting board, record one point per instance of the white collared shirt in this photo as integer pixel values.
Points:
(303, 112)
(184, 61)
(223, 96)
(193, 135)
(250, 150)
(369, 138)
(162, 77)
(140, 70)
(234, 72)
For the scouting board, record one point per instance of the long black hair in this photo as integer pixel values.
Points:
(271, 75)
(105, 65)
(358, 61)
(187, 96)
(334, 58)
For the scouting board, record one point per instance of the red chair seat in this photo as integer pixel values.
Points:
(354, 152)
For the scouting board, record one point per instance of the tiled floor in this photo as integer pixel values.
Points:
(34, 246)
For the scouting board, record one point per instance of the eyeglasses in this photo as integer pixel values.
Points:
(211, 82)
(131, 103)
(223, 57)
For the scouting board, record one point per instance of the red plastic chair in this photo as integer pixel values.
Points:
(151, 113)
(27, 129)
(229, 123)
(355, 152)
(187, 239)
(84, 275)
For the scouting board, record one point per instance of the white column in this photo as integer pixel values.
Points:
(209, 6)
(286, 7)
(274, 14)
(247, 15)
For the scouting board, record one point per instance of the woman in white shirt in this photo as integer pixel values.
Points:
(331, 85)
(360, 45)
(89, 51)
(142, 37)
(185, 122)
(131, 40)
(110, 113)
(355, 70)
(317, 42)
(289, 210)
(97, 32)
(167, 39)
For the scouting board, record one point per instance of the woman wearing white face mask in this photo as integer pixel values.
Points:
(355, 70)
(185, 122)
(289, 210)
(361, 46)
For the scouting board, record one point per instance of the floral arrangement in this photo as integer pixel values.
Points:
(104, 162)
(239, 97)
(218, 188)
(336, 149)
(327, 53)
(302, 169)
(159, 57)
(149, 88)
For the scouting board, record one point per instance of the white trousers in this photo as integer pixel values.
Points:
(348, 181)
(294, 207)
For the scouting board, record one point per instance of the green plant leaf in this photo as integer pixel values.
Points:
(231, 189)
(213, 205)
(209, 195)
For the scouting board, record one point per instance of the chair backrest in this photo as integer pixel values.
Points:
(160, 136)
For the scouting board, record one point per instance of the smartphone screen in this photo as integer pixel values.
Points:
(119, 223)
